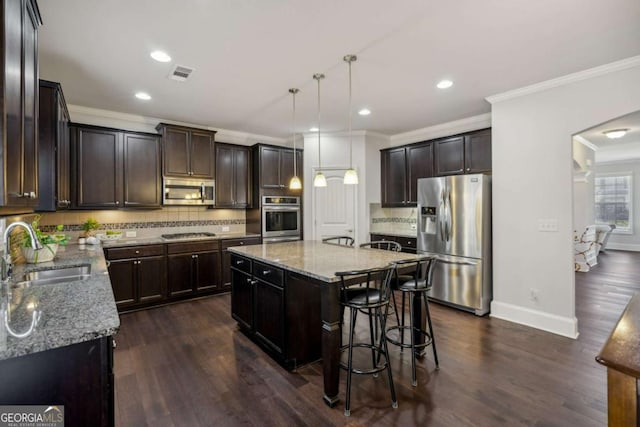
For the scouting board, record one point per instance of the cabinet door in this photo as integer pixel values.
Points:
(47, 135)
(394, 177)
(151, 279)
(13, 108)
(180, 274)
(270, 167)
(449, 156)
(224, 176)
(63, 158)
(269, 320)
(176, 152)
(142, 175)
(420, 165)
(477, 152)
(206, 267)
(201, 156)
(241, 175)
(98, 166)
(30, 103)
(242, 298)
(286, 167)
(123, 278)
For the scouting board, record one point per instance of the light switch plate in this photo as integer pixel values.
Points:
(131, 234)
(225, 228)
(548, 225)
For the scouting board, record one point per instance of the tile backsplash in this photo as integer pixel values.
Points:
(392, 220)
(148, 223)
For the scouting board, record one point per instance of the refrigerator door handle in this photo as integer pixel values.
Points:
(449, 224)
(442, 216)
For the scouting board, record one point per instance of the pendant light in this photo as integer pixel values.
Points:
(295, 183)
(319, 180)
(350, 176)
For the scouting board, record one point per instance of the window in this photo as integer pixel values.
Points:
(613, 200)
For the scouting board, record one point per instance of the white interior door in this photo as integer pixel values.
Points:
(334, 207)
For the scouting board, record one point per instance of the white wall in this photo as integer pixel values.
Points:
(583, 185)
(628, 242)
(532, 180)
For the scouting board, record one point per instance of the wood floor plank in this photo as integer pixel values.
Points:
(188, 364)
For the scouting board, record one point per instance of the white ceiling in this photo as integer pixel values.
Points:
(610, 150)
(248, 53)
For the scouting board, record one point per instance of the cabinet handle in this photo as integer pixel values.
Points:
(253, 282)
(239, 262)
(108, 263)
(266, 272)
(248, 280)
(139, 262)
(241, 243)
(196, 256)
(137, 252)
(113, 343)
(117, 203)
(468, 169)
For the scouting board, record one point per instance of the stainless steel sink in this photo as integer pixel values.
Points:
(58, 275)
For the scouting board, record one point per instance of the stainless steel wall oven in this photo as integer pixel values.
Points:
(280, 219)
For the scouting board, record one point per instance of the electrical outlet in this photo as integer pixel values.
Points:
(414, 226)
(225, 228)
(548, 225)
(131, 233)
(533, 294)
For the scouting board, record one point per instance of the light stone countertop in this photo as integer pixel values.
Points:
(410, 234)
(160, 240)
(319, 260)
(71, 312)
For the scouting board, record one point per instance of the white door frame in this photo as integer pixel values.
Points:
(313, 203)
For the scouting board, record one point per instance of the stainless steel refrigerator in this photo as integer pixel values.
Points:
(454, 223)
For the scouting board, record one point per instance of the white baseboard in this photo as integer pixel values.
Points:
(623, 247)
(565, 326)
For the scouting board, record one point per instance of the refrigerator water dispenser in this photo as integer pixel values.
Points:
(428, 223)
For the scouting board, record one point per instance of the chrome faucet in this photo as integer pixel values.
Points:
(5, 267)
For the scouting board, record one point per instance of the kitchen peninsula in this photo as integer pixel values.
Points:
(286, 297)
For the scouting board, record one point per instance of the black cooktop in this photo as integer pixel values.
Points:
(188, 235)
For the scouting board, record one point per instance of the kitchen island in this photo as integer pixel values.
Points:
(286, 297)
(56, 345)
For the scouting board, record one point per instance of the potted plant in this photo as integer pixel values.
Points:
(49, 243)
(90, 226)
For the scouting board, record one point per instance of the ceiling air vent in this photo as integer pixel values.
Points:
(180, 73)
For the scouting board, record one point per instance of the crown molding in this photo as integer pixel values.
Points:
(99, 117)
(468, 124)
(582, 140)
(601, 70)
(345, 134)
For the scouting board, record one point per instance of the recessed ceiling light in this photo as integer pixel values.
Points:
(143, 96)
(615, 133)
(444, 84)
(364, 112)
(160, 56)
(313, 130)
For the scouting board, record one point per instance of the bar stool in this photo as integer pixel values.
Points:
(370, 297)
(415, 288)
(339, 240)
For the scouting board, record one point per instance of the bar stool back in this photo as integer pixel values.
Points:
(383, 244)
(416, 287)
(371, 297)
(339, 240)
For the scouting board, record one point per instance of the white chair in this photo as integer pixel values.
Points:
(585, 248)
(603, 232)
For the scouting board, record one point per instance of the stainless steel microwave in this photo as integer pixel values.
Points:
(178, 191)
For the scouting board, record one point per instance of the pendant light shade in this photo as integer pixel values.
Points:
(320, 180)
(295, 183)
(350, 176)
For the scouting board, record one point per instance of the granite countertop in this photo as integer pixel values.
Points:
(71, 312)
(412, 233)
(319, 260)
(160, 240)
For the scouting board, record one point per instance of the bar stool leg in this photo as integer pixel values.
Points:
(414, 381)
(354, 313)
(402, 328)
(373, 341)
(383, 339)
(433, 339)
(395, 307)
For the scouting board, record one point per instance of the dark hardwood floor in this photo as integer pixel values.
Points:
(188, 365)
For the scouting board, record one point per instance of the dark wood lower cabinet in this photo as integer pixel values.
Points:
(278, 310)
(409, 244)
(78, 376)
(225, 271)
(179, 274)
(193, 268)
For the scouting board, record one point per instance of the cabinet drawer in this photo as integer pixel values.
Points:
(407, 242)
(189, 247)
(227, 243)
(268, 273)
(134, 252)
(241, 263)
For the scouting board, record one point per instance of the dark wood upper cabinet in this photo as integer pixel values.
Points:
(19, 109)
(477, 151)
(233, 183)
(97, 159)
(274, 166)
(53, 149)
(449, 156)
(394, 177)
(114, 168)
(142, 172)
(419, 165)
(188, 152)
